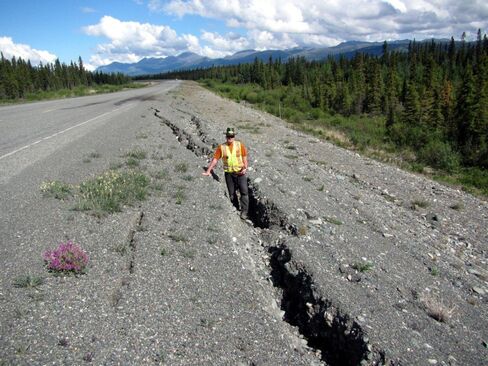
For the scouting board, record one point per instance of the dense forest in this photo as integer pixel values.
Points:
(18, 77)
(433, 98)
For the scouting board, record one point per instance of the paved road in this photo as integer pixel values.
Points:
(168, 283)
(30, 132)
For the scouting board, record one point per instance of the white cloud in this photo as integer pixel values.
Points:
(328, 21)
(228, 43)
(131, 41)
(88, 10)
(26, 52)
(280, 24)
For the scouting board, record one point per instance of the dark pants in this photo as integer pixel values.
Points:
(238, 182)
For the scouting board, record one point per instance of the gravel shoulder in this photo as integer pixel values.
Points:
(391, 255)
(370, 264)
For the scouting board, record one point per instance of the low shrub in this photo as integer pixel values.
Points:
(56, 189)
(67, 258)
(109, 191)
(438, 154)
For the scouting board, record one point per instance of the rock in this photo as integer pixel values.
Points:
(474, 272)
(479, 290)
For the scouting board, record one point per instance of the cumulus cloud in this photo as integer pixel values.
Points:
(328, 21)
(130, 41)
(26, 52)
(280, 24)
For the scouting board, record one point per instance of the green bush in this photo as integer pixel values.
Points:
(252, 97)
(440, 155)
(477, 178)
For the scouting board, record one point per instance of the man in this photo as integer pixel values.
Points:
(234, 158)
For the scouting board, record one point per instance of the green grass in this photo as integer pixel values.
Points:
(28, 281)
(181, 167)
(132, 162)
(108, 192)
(75, 92)
(472, 180)
(56, 189)
(434, 271)
(363, 266)
(136, 154)
(180, 196)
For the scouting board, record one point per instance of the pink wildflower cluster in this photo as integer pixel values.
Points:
(68, 257)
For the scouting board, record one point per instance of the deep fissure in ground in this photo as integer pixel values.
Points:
(339, 338)
(131, 240)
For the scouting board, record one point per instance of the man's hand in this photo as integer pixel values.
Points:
(207, 174)
(243, 171)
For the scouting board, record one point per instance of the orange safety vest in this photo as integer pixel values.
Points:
(232, 160)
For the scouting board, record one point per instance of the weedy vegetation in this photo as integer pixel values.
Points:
(362, 267)
(56, 189)
(419, 204)
(436, 309)
(434, 271)
(108, 192)
(181, 167)
(136, 154)
(180, 196)
(28, 281)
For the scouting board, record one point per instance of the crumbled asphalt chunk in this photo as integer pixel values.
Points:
(336, 267)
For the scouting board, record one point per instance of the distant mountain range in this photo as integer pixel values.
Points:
(189, 60)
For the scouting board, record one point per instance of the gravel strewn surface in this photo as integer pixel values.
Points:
(371, 264)
(425, 244)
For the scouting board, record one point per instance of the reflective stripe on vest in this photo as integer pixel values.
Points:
(232, 160)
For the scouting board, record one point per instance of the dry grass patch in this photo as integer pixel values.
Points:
(436, 309)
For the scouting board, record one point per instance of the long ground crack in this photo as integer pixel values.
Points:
(340, 340)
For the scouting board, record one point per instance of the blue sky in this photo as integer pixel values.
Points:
(104, 31)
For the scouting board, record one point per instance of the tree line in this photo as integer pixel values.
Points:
(19, 77)
(434, 96)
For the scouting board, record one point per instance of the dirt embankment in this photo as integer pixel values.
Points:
(347, 261)
(375, 265)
